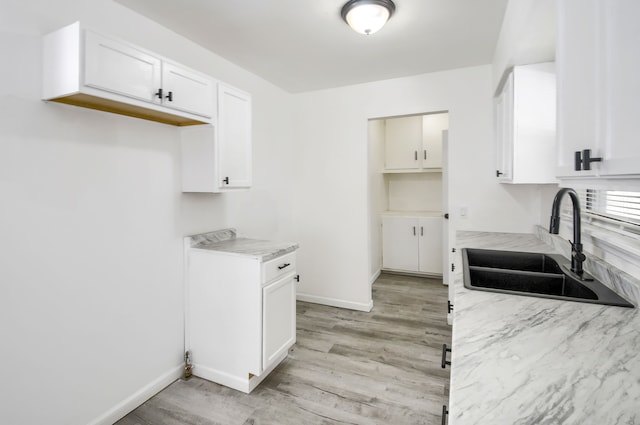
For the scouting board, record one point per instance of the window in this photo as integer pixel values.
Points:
(613, 210)
(617, 205)
(610, 225)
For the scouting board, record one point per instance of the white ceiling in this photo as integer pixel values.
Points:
(303, 45)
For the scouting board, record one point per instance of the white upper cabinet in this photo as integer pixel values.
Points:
(621, 87)
(218, 158)
(432, 127)
(503, 124)
(121, 68)
(414, 144)
(234, 122)
(598, 88)
(576, 64)
(525, 125)
(403, 141)
(91, 70)
(188, 90)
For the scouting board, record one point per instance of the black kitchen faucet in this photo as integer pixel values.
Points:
(577, 257)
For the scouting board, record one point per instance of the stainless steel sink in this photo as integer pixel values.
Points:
(533, 274)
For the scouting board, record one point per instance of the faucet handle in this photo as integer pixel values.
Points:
(576, 251)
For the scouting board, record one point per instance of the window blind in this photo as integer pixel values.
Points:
(616, 210)
(618, 205)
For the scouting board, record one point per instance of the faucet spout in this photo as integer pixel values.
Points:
(577, 257)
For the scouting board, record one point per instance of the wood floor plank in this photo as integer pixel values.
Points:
(347, 367)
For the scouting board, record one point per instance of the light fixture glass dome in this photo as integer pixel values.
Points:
(367, 16)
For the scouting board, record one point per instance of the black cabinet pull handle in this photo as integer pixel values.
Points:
(158, 93)
(414, 230)
(425, 154)
(415, 155)
(453, 250)
(446, 216)
(445, 412)
(577, 161)
(421, 231)
(587, 159)
(445, 350)
(582, 160)
(169, 96)
(499, 173)
(449, 306)
(284, 266)
(225, 180)
(297, 278)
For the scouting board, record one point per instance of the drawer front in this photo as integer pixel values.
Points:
(278, 267)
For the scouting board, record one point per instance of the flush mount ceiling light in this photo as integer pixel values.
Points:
(367, 16)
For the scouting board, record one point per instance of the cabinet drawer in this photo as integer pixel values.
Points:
(278, 267)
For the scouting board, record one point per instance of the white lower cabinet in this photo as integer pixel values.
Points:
(430, 245)
(241, 316)
(278, 319)
(412, 244)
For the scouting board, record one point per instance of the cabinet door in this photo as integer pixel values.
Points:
(400, 243)
(430, 246)
(432, 127)
(533, 120)
(278, 319)
(620, 87)
(576, 67)
(403, 143)
(187, 90)
(120, 68)
(504, 131)
(234, 131)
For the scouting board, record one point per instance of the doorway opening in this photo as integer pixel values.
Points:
(408, 195)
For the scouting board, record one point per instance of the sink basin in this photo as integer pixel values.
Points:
(512, 260)
(533, 274)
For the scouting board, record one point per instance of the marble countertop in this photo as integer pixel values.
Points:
(527, 360)
(226, 241)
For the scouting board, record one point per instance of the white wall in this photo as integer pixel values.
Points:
(414, 192)
(528, 35)
(377, 194)
(92, 220)
(331, 205)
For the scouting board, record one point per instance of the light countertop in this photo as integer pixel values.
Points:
(527, 360)
(225, 241)
(412, 214)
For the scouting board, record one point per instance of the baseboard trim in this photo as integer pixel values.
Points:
(374, 277)
(333, 302)
(412, 273)
(245, 385)
(222, 378)
(121, 409)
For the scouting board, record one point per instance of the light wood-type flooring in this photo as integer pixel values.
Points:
(347, 367)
